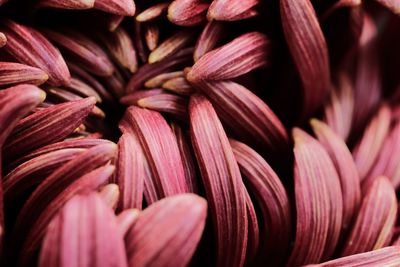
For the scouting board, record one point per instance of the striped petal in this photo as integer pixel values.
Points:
(318, 201)
(80, 143)
(375, 220)
(46, 126)
(367, 149)
(34, 171)
(242, 55)
(171, 45)
(56, 183)
(209, 39)
(15, 73)
(345, 167)
(87, 221)
(272, 199)
(82, 89)
(161, 151)
(159, 80)
(232, 10)
(309, 51)
(388, 257)
(117, 7)
(67, 4)
(88, 78)
(246, 115)
(120, 46)
(85, 52)
(167, 232)
(222, 182)
(130, 172)
(187, 155)
(88, 182)
(154, 12)
(339, 110)
(187, 12)
(388, 162)
(169, 104)
(30, 47)
(178, 85)
(148, 71)
(15, 102)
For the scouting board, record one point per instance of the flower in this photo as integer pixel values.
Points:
(199, 133)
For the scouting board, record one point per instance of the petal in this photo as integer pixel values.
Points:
(110, 195)
(46, 126)
(187, 155)
(15, 73)
(178, 86)
(253, 234)
(242, 55)
(34, 171)
(56, 183)
(130, 172)
(133, 98)
(173, 105)
(120, 46)
(222, 182)
(85, 52)
(340, 108)
(153, 12)
(232, 10)
(161, 151)
(367, 87)
(30, 47)
(209, 39)
(264, 184)
(82, 89)
(159, 80)
(309, 51)
(126, 219)
(367, 150)
(3, 38)
(171, 45)
(88, 182)
(187, 12)
(388, 162)
(87, 221)
(389, 257)
(318, 201)
(118, 7)
(345, 167)
(88, 78)
(246, 115)
(375, 220)
(148, 71)
(80, 143)
(152, 35)
(15, 103)
(67, 4)
(176, 223)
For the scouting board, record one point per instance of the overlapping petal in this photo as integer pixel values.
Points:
(222, 181)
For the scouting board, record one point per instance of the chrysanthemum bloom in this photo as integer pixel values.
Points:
(199, 133)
